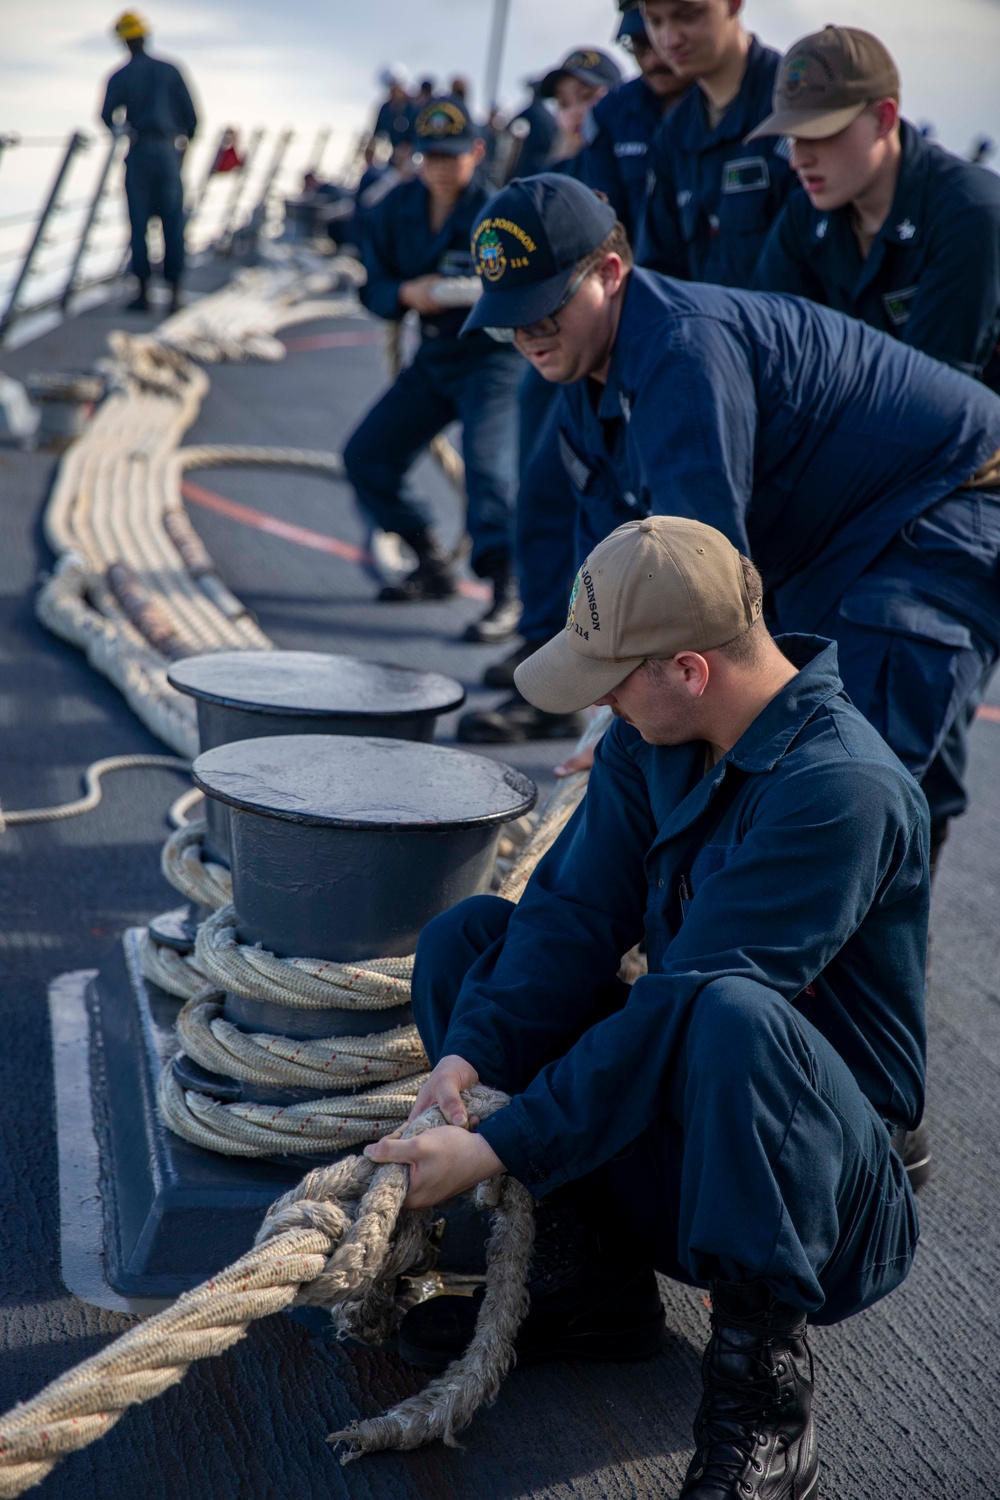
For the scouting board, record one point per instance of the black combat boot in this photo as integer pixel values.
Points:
(432, 578)
(140, 302)
(501, 620)
(515, 721)
(501, 673)
(586, 1304)
(914, 1146)
(754, 1430)
(176, 300)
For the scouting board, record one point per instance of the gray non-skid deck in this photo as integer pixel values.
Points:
(907, 1394)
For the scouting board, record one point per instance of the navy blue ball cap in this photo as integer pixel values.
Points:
(632, 23)
(443, 125)
(589, 64)
(526, 243)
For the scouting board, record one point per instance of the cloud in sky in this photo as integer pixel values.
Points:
(314, 63)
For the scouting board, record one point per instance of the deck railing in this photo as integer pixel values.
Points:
(76, 240)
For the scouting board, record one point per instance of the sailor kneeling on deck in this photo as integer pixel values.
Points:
(731, 1119)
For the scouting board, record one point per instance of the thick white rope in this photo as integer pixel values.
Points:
(339, 1240)
(133, 586)
(186, 868)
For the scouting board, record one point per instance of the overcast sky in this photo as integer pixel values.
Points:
(313, 63)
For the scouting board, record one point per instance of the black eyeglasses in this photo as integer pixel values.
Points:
(545, 328)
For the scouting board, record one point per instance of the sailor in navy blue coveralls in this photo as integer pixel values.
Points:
(732, 1112)
(836, 457)
(748, 1074)
(614, 161)
(157, 113)
(472, 381)
(932, 275)
(891, 229)
(712, 199)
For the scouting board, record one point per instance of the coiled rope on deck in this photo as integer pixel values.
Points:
(382, 1070)
(133, 585)
(340, 1239)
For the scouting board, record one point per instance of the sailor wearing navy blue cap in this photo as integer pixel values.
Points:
(841, 460)
(417, 243)
(584, 77)
(619, 130)
(713, 199)
(546, 501)
(617, 133)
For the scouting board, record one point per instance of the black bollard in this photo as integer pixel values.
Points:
(246, 695)
(344, 848)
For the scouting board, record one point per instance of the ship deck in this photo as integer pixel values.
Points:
(907, 1393)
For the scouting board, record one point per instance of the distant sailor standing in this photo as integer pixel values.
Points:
(417, 239)
(159, 119)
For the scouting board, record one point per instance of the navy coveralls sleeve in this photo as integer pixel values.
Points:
(932, 275)
(158, 109)
(784, 903)
(472, 380)
(712, 199)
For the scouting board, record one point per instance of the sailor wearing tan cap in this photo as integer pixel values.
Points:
(732, 1115)
(891, 228)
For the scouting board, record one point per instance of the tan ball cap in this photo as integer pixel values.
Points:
(652, 588)
(825, 81)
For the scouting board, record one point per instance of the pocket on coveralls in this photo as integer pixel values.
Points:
(924, 665)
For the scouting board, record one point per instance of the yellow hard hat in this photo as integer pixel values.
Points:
(130, 26)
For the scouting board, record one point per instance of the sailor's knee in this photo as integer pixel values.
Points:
(472, 925)
(448, 947)
(733, 1022)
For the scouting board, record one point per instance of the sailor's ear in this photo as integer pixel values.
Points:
(887, 114)
(611, 272)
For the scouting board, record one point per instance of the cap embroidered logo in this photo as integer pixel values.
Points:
(438, 120)
(586, 60)
(489, 255)
(571, 612)
(795, 77)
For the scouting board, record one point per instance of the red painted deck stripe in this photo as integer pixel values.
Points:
(349, 338)
(261, 521)
(988, 711)
(302, 536)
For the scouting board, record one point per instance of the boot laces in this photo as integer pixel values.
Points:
(735, 1410)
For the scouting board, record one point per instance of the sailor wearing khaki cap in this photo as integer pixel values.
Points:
(654, 588)
(732, 1113)
(891, 228)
